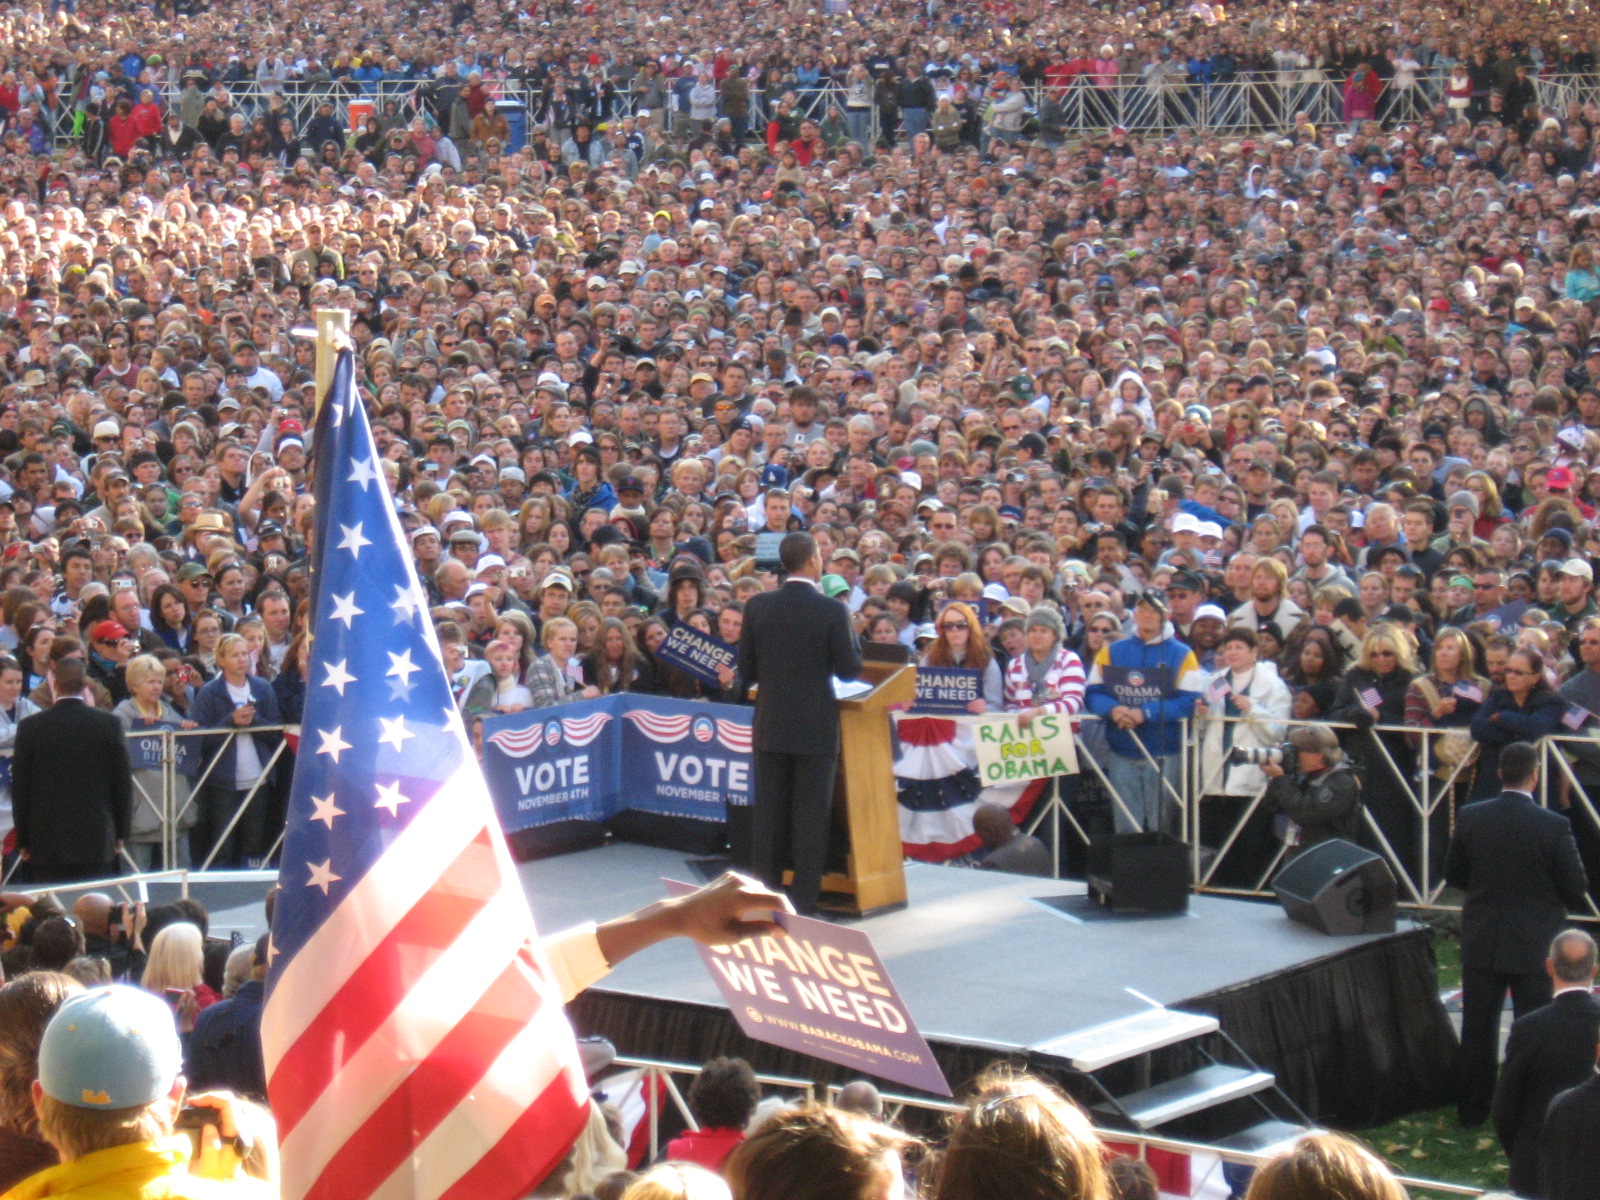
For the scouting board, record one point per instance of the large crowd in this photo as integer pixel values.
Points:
(1299, 427)
(1329, 391)
(130, 1066)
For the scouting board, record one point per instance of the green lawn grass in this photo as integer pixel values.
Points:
(1430, 1145)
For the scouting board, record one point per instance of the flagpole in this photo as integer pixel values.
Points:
(333, 335)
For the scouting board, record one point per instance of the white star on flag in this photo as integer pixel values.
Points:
(394, 732)
(322, 876)
(337, 676)
(363, 471)
(352, 540)
(402, 666)
(333, 745)
(344, 609)
(453, 722)
(326, 809)
(406, 606)
(442, 1093)
(389, 797)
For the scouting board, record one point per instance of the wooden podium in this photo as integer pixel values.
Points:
(866, 806)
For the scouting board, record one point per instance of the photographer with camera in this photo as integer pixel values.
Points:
(1321, 795)
(110, 1098)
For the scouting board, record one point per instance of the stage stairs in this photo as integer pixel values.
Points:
(1178, 1074)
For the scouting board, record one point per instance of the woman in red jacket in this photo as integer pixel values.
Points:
(721, 1098)
(122, 130)
(147, 114)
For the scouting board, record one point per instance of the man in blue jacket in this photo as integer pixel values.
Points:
(1144, 688)
(224, 1051)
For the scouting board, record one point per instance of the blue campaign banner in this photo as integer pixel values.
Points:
(685, 758)
(145, 752)
(1135, 687)
(594, 758)
(946, 689)
(698, 653)
(552, 764)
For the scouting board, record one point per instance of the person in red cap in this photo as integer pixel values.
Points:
(110, 647)
(1559, 481)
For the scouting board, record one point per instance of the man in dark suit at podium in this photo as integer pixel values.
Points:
(1550, 1050)
(1518, 865)
(795, 641)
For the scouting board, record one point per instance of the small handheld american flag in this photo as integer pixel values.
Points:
(415, 1045)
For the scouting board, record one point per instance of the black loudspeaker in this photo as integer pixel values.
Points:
(1339, 888)
(1139, 873)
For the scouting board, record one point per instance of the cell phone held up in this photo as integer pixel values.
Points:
(193, 1119)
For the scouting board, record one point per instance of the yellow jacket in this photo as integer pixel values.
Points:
(156, 1170)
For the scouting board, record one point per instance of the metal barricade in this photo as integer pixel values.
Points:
(1058, 811)
(1430, 793)
(656, 1071)
(1156, 106)
(170, 813)
(895, 1104)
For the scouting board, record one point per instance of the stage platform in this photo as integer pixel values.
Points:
(1352, 1026)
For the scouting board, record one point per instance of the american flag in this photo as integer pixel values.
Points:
(415, 1044)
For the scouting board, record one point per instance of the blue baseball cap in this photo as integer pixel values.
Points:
(113, 1047)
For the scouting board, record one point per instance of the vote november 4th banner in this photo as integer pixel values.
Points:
(592, 759)
(1012, 752)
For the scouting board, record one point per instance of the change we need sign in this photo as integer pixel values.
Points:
(823, 991)
(946, 689)
(1010, 752)
(698, 653)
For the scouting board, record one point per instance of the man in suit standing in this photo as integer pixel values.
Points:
(71, 785)
(1571, 1132)
(1551, 1049)
(1518, 865)
(794, 642)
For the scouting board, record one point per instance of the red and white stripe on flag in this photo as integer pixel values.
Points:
(416, 1048)
(1179, 1176)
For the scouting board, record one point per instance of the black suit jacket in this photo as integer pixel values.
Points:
(1571, 1133)
(1519, 866)
(1550, 1050)
(71, 786)
(794, 641)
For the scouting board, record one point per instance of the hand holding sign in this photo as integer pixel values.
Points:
(822, 990)
(733, 908)
(700, 654)
(948, 690)
(1009, 752)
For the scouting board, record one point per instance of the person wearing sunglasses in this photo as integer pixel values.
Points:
(1525, 709)
(960, 643)
(1374, 693)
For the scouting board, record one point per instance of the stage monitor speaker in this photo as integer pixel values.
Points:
(1139, 872)
(1338, 887)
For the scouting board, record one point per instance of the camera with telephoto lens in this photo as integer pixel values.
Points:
(1260, 756)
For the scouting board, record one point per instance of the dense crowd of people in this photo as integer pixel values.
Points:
(1319, 406)
(130, 1065)
(1308, 390)
(1279, 445)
